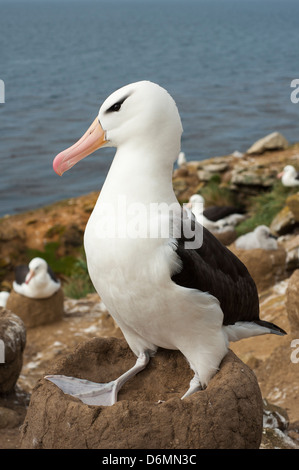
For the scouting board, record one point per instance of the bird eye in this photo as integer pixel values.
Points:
(116, 106)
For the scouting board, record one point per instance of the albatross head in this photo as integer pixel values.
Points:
(196, 202)
(37, 266)
(263, 233)
(288, 170)
(142, 113)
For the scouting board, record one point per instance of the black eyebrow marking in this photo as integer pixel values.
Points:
(116, 106)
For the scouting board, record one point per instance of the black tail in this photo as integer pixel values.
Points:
(276, 330)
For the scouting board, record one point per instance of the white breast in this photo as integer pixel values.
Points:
(133, 278)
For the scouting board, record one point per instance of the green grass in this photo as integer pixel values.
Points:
(76, 281)
(78, 285)
(265, 207)
(216, 195)
(60, 265)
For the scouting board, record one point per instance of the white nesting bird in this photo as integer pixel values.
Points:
(289, 176)
(181, 161)
(3, 298)
(163, 290)
(214, 218)
(36, 280)
(261, 237)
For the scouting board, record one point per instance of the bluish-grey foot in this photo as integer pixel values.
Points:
(99, 394)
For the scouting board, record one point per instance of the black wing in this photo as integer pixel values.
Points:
(215, 213)
(21, 272)
(215, 269)
(297, 176)
(52, 275)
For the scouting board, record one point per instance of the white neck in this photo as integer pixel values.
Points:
(139, 176)
(40, 278)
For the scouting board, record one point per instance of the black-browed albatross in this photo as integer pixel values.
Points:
(261, 237)
(35, 280)
(289, 176)
(214, 218)
(163, 290)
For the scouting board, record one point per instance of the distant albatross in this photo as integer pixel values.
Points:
(3, 298)
(163, 291)
(261, 237)
(36, 280)
(214, 218)
(289, 176)
(181, 161)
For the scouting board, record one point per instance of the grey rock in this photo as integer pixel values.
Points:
(273, 141)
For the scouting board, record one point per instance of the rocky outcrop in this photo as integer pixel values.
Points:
(284, 222)
(288, 218)
(13, 340)
(227, 414)
(293, 203)
(276, 433)
(265, 266)
(36, 312)
(273, 141)
(253, 176)
(290, 243)
(226, 236)
(292, 304)
(8, 418)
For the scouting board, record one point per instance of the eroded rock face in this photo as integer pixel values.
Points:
(293, 203)
(255, 176)
(36, 312)
(227, 414)
(292, 304)
(13, 340)
(265, 266)
(288, 218)
(226, 237)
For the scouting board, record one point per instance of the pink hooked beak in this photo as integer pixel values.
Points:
(29, 276)
(93, 139)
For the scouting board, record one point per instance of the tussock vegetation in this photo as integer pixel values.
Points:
(264, 207)
(72, 270)
(216, 195)
(79, 284)
(60, 264)
(261, 208)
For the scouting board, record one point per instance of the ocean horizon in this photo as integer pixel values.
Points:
(228, 64)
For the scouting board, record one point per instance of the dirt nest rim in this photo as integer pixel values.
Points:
(150, 413)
